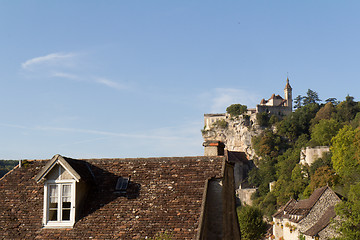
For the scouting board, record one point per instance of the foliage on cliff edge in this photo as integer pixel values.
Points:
(335, 124)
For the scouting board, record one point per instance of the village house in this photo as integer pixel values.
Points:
(65, 198)
(310, 218)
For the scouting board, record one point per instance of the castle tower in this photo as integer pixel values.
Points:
(288, 94)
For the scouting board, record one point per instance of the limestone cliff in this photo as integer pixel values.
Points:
(237, 133)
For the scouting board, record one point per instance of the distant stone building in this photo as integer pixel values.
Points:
(310, 217)
(276, 105)
(211, 118)
(309, 155)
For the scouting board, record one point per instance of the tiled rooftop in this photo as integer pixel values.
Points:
(167, 195)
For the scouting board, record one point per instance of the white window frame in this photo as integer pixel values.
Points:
(59, 223)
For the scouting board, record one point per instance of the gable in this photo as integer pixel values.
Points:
(64, 169)
(58, 172)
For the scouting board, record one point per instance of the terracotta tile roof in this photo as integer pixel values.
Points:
(170, 198)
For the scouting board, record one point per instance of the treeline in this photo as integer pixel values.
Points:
(6, 165)
(313, 123)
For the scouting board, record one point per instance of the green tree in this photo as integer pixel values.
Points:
(6, 165)
(325, 160)
(349, 212)
(323, 176)
(324, 131)
(298, 102)
(273, 120)
(347, 110)
(299, 178)
(286, 173)
(263, 119)
(236, 109)
(297, 123)
(333, 101)
(326, 112)
(251, 223)
(343, 153)
(355, 123)
(311, 97)
(268, 144)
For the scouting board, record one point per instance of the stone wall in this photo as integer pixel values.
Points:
(212, 211)
(277, 229)
(274, 110)
(219, 219)
(245, 195)
(309, 155)
(285, 229)
(290, 230)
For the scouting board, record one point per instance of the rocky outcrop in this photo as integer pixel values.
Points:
(236, 135)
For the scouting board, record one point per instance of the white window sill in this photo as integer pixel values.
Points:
(59, 225)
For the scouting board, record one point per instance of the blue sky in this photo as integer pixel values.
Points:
(90, 79)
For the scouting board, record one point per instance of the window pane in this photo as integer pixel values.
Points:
(59, 205)
(53, 193)
(66, 205)
(66, 202)
(66, 194)
(53, 205)
(52, 215)
(66, 190)
(66, 215)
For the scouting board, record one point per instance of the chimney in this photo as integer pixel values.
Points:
(213, 148)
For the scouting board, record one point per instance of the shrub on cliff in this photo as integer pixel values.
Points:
(236, 109)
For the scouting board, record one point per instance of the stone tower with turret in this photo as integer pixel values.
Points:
(288, 94)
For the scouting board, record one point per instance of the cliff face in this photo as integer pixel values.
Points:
(236, 135)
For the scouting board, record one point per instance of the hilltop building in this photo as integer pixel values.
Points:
(275, 105)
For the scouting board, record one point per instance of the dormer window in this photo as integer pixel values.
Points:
(59, 205)
(63, 191)
(59, 198)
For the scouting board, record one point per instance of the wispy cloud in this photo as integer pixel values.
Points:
(53, 58)
(110, 83)
(66, 66)
(66, 75)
